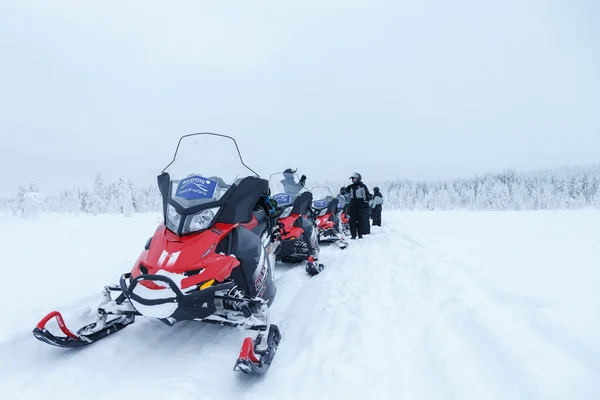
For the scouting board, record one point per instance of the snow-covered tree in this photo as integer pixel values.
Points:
(33, 201)
(560, 188)
(99, 195)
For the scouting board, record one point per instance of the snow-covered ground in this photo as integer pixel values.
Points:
(434, 305)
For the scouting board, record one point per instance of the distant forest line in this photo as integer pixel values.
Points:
(571, 187)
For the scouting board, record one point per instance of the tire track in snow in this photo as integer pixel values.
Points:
(530, 307)
(367, 312)
(531, 366)
(432, 308)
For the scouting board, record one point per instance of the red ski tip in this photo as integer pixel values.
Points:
(247, 352)
(59, 320)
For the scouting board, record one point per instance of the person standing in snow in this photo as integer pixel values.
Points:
(377, 206)
(359, 195)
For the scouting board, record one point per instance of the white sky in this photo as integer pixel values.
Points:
(422, 89)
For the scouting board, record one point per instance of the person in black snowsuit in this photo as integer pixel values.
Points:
(359, 195)
(367, 216)
(377, 206)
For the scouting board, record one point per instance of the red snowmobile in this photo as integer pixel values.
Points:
(329, 224)
(296, 223)
(211, 260)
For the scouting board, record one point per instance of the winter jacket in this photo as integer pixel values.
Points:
(377, 200)
(358, 192)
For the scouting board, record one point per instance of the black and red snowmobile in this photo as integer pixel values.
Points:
(299, 241)
(329, 223)
(211, 260)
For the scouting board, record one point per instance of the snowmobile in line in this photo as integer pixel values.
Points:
(329, 224)
(297, 228)
(211, 259)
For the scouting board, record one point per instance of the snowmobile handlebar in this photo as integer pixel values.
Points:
(281, 226)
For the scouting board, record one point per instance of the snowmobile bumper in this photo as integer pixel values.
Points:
(199, 304)
(292, 251)
(204, 298)
(180, 297)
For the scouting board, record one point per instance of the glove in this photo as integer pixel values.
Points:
(302, 178)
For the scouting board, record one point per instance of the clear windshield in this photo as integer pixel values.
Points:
(285, 188)
(322, 196)
(204, 167)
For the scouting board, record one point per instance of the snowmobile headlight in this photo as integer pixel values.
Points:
(173, 218)
(202, 220)
(286, 212)
(323, 212)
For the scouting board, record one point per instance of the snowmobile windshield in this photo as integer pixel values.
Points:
(322, 195)
(204, 168)
(285, 189)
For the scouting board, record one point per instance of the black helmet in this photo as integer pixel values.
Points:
(289, 173)
(376, 189)
(343, 189)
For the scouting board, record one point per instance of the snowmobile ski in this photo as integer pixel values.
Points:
(87, 335)
(313, 267)
(256, 360)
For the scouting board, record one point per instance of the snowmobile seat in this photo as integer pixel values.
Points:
(302, 203)
(240, 206)
(332, 206)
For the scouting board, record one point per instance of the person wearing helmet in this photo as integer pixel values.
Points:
(377, 206)
(359, 197)
(290, 186)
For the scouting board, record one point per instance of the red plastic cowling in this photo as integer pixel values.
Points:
(61, 324)
(247, 352)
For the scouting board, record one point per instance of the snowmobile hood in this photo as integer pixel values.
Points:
(192, 257)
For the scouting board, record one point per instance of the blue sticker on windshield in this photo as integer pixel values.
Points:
(282, 198)
(320, 203)
(196, 187)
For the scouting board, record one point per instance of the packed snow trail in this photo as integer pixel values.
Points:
(393, 320)
(393, 316)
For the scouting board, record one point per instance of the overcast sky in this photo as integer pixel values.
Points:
(421, 89)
